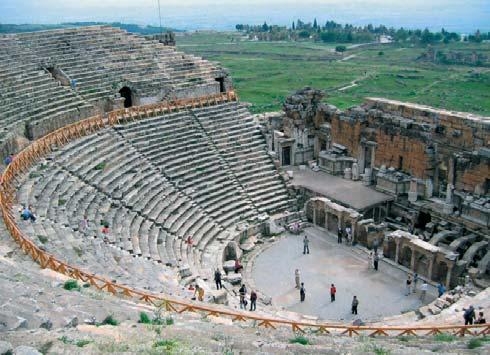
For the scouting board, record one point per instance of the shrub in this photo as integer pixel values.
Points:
(81, 343)
(380, 351)
(168, 345)
(444, 337)
(381, 53)
(299, 340)
(477, 342)
(109, 320)
(169, 321)
(100, 166)
(340, 49)
(70, 285)
(61, 202)
(42, 239)
(144, 318)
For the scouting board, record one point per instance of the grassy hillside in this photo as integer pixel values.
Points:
(265, 72)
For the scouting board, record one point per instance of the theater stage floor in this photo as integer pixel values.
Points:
(380, 293)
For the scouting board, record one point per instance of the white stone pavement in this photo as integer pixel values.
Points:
(380, 293)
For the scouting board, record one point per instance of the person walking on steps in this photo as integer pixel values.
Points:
(333, 291)
(440, 289)
(370, 260)
(339, 235)
(302, 292)
(355, 303)
(253, 300)
(217, 279)
(297, 278)
(306, 247)
(376, 261)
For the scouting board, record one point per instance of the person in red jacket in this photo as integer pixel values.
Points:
(333, 291)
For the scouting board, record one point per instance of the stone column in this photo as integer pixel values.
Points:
(314, 215)
(431, 266)
(373, 155)
(326, 219)
(412, 260)
(397, 250)
(412, 194)
(448, 276)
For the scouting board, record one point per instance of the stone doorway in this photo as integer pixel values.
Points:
(221, 82)
(126, 93)
(286, 156)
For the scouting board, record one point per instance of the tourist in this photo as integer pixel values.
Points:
(408, 285)
(348, 234)
(423, 290)
(333, 291)
(28, 214)
(469, 315)
(376, 261)
(355, 303)
(480, 319)
(440, 289)
(217, 279)
(9, 159)
(339, 235)
(105, 229)
(189, 240)
(306, 248)
(415, 279)
(242, 292)
(375, 246)
(253, 300)
(370, 260)
(238, 266)
(83, 225)
(200, 293)
(297, 278)
(302, 292)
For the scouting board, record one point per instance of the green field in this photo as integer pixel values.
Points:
(264, 73)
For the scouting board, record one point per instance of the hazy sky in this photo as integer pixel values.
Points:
(461, 15)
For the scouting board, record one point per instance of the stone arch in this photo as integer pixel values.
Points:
(422, 264)
(309, 212)
(333, 223)
(127, 94)
(389, 249)
(320, 217)
(439, 273)
(230, 252)
(406, 257)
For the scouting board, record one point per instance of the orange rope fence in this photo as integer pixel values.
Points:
(43, 146)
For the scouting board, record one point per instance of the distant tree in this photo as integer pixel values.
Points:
(340, 49)
(239, 27)
(315, 24)
(294, 26)
(328, 37)
(427, 37)
(304, 34)
(265, 28)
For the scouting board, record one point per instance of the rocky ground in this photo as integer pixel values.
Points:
(38, 315)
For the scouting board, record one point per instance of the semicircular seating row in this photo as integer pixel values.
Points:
(156, 181)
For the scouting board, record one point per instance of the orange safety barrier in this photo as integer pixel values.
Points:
(30, 155)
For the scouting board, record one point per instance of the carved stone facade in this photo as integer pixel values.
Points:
(434, 163)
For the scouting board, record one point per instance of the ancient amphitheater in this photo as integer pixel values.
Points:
(152, 146)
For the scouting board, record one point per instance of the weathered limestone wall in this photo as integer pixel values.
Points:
(346, 132)
(410, 152)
